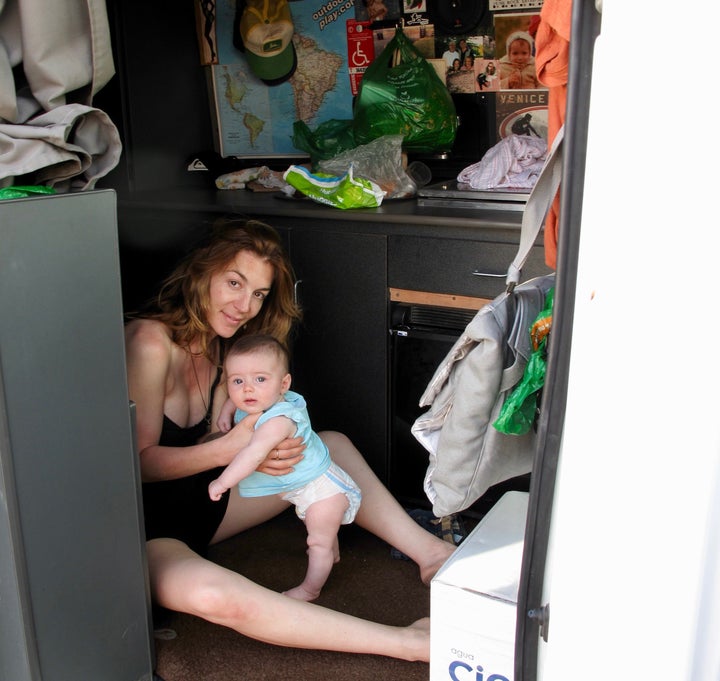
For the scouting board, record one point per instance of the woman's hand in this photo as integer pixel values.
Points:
(284, 458)
(237, 438)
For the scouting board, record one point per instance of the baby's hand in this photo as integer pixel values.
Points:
(216, 490)
(224, 423)
(515, 79)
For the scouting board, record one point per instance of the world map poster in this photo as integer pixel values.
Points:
(256, 120)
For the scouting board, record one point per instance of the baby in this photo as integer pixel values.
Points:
(517, 67)
(325, 497)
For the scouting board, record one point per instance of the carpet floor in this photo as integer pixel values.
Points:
(367, 582)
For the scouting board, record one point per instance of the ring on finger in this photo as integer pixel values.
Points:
(277, 454)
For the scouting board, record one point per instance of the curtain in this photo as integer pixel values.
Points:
(54, 57)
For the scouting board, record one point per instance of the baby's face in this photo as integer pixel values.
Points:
(256, 381)
(519, 53)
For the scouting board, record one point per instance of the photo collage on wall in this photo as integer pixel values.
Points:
(475, 47)
(471, 44)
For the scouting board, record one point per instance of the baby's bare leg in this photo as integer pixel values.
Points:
(322, 519)
(382, 515)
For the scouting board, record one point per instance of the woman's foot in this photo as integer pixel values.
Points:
(432, 562)
(418, 640)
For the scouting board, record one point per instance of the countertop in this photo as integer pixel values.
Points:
(405, 216)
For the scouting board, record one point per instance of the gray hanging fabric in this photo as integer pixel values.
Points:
(54, 57)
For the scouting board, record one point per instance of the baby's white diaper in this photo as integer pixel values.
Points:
(333, 481)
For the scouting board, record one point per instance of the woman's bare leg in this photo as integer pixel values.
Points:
(381, 514)
(243, 513)
(183, 581)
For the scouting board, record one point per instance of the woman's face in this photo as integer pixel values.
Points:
(237, 292)
(519, 53)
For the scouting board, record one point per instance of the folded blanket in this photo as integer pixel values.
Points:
(515, 161)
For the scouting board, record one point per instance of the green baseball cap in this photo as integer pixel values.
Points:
(266, 28)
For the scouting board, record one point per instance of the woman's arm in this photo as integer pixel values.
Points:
(150, 355)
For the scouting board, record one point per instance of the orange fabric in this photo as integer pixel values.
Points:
(551, 64)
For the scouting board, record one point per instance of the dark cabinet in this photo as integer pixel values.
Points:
(462, 267)
(340, 353)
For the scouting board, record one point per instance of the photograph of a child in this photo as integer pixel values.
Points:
(515, 43)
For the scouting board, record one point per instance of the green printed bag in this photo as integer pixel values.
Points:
(401, 94)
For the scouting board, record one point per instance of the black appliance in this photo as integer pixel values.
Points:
(420, 338)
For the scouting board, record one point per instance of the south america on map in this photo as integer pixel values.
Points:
(256, 120)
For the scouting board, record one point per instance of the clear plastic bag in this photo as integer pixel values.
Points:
(379, 161)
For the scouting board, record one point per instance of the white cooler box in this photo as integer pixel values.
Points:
(473, 598)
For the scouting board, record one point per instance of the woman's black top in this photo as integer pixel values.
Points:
(182, 508)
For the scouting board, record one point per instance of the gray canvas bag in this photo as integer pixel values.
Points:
(466, 454)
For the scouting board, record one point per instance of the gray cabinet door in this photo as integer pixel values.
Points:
(72, 554)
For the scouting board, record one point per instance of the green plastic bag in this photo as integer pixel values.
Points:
(327, 140)
(517, 415)
(24, 192)
(400, 94)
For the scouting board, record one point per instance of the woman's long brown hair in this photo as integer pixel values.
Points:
(184, 296)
